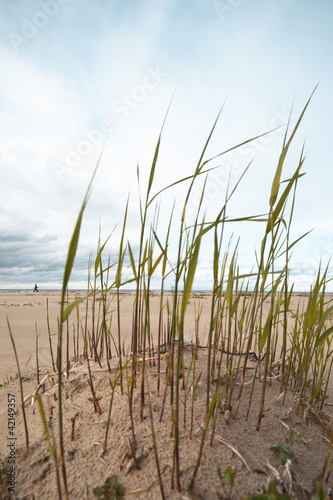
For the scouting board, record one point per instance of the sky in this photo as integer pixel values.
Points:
(80, 79)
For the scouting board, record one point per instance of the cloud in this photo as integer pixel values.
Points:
(91, 73)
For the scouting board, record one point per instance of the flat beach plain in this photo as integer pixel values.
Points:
(236, 442)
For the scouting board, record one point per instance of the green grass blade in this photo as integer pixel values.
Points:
(190, 277)
(132, 261)
(74, 243)
(263, 337)
(73, 304)
(277, 177)
(277, 210)
(121, 252)
(323, 336)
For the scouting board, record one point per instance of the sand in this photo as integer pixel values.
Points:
(236, 442)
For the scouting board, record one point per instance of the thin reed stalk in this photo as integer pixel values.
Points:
(159, 475)
(37, 363)
(51, 443)
(21, 387)
(49, 333)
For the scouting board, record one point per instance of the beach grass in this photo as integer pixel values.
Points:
(237, 331)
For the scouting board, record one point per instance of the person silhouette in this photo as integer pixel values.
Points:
(36, 288)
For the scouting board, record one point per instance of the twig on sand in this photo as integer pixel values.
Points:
(33, 395)
(221, 440)
(141, 490)
(134, 458)
(88, 422)
(321, 421)
(254, 458)
(275, 476)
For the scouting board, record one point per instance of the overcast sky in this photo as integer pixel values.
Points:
(76, 73)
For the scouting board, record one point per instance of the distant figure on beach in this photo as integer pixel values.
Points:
(36, 288)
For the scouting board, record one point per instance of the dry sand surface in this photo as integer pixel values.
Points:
(236, 442)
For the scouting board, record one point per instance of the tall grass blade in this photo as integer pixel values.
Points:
(67, 272)
(21, 386)
(50, 443)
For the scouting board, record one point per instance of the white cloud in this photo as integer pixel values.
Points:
(89, 75)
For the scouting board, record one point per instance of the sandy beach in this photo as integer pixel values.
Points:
(27, 311)
(236, 443)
